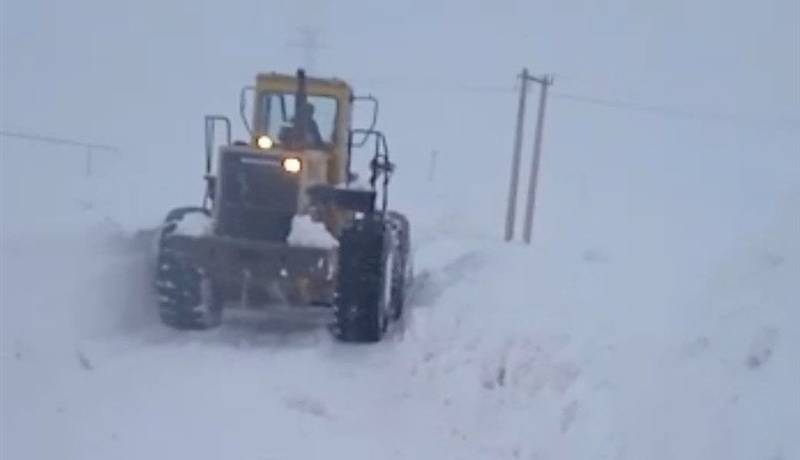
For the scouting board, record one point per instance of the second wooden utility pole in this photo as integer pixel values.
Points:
(537, 155)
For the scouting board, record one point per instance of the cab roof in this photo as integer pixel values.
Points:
(314, 85)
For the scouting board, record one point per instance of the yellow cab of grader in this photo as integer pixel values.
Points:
(331, 98)
(315, 146)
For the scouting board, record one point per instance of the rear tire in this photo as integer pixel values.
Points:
(187, 297)
(363, 293)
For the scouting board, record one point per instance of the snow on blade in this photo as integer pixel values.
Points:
(307, 233)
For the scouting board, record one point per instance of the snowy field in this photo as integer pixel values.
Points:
(655, 317)
(630, 348)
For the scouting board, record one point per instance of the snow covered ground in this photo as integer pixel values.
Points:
(625, 350)
(655, 316)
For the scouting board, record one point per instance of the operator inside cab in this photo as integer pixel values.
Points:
(311, 136)
(312, 125)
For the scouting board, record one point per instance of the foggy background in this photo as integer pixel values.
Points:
(665, 251)
(140, 75)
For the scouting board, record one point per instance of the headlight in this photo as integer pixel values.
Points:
(292, 165)
(264, 142)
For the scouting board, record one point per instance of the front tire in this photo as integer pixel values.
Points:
(187, 297)
(364, 284)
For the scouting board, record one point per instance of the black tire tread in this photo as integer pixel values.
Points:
(179, 284)
(360, 283)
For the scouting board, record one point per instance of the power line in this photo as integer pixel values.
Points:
(57, 140)
(624, 105)
(673, 112)
(91, 147)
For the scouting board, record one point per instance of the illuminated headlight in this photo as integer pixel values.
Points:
(292, 165)
(264, 142)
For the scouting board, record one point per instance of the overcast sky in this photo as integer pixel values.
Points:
(140, 75)
(727, 56)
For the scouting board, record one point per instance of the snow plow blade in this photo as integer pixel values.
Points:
(305, 275)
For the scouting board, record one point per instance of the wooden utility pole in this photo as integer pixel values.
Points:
(432, 166)
(511, 209)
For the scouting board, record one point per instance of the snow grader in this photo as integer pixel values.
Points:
(285, 219)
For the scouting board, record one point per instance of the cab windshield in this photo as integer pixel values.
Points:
(278, 118)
